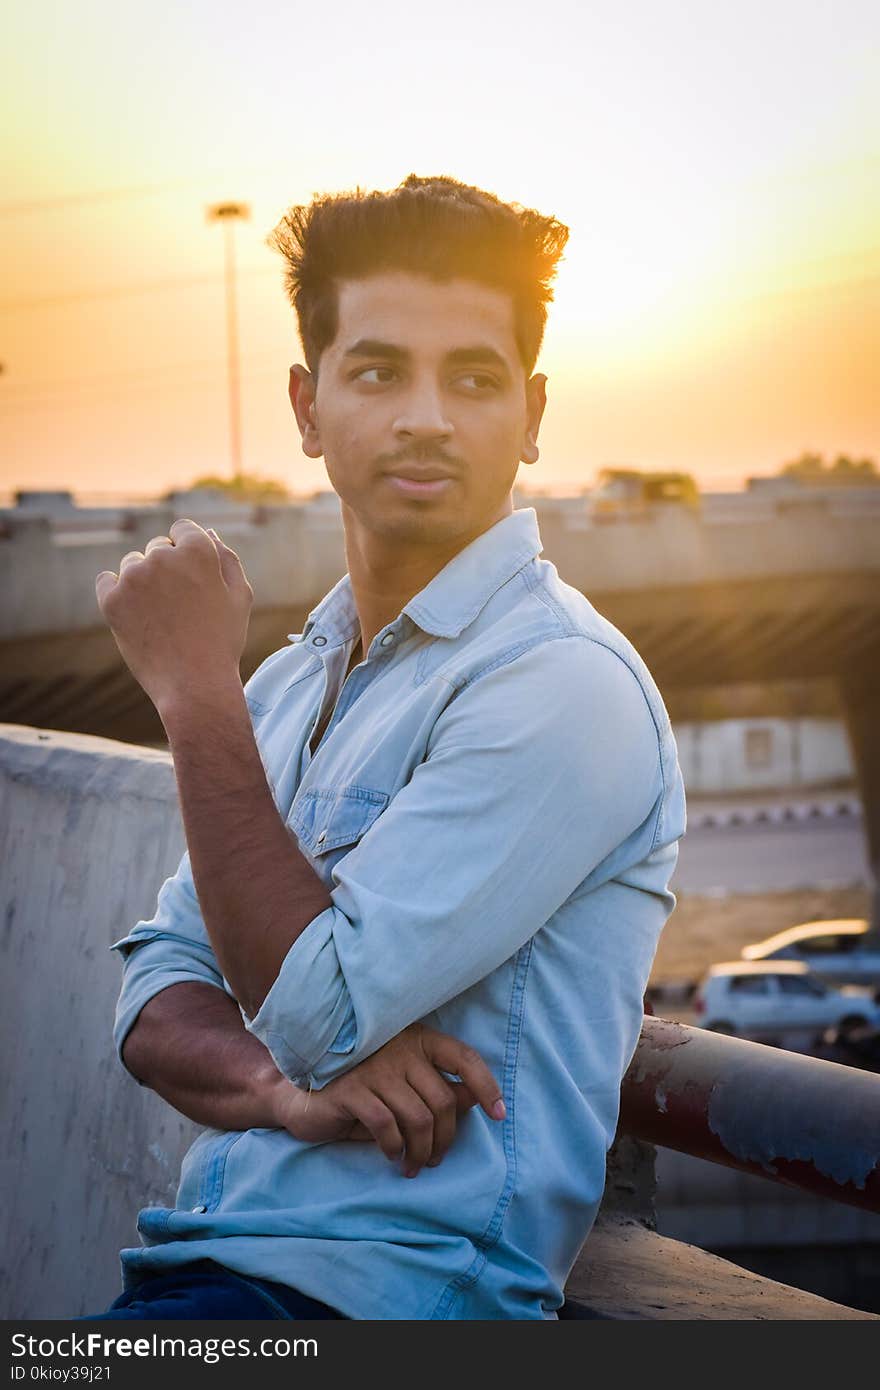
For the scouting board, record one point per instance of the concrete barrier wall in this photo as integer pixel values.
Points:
(88, 830)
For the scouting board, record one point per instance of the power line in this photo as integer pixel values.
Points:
(174, 369)
(193, 384)
(22, 206)
(172, 282)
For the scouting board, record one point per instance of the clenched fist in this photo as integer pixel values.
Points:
(179, 612)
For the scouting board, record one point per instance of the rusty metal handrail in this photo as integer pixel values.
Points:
(798, 1120)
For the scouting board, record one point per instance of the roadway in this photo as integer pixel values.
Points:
(772, 846)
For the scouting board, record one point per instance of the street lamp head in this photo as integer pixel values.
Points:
(221, 212)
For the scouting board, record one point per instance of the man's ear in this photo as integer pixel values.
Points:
(536, 399)
(301, 389)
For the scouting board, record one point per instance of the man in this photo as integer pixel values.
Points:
(432, 839)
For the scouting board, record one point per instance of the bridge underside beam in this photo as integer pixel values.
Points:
(76, 681)
(800, 627)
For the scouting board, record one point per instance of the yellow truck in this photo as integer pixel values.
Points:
(628, 494)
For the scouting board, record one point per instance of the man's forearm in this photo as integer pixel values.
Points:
(189, 1045)
(256, 892)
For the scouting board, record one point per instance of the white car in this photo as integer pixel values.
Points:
(779, 1002)
(835, 951)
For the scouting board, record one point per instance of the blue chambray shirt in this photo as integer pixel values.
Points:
(495, 809)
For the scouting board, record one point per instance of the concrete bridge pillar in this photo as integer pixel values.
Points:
(860, 692)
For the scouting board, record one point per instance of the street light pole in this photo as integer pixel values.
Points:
(228, 213)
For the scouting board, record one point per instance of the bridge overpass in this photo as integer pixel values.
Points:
(761, 590)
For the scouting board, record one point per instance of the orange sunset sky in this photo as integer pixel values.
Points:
(718, 164)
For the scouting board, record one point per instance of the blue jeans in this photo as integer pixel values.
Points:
(207, 1290)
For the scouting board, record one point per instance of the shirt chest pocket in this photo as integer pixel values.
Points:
(324, 820)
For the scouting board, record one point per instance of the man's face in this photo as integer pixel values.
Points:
(421, 410)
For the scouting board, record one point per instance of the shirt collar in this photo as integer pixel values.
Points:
(453, 598)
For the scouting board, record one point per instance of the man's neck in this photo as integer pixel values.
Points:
(386, 573)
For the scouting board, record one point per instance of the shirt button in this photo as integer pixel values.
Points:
(319, 641)
(386, 640)
(200, 1210)
(322, 837)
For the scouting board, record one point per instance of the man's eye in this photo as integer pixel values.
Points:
(477, 381)
(377, 376)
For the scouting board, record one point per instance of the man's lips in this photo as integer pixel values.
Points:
(417, 482)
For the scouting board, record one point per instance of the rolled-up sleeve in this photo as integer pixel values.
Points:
(536, 771)
(171, 947)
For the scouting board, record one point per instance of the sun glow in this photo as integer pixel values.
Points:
(719, 170)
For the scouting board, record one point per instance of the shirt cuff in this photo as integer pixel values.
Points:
(308, 1011)
(146, 975)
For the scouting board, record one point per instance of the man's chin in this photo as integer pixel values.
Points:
(427, 525)
(405, 521)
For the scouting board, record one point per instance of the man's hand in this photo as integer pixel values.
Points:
(397, 1097)
(179, 612)
(190, 1046)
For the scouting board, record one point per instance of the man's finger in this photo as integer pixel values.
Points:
(183, 529)
(156, 542)
(105, 583)
(464, 1097)
(230, 564)
(372, 1112)
(131, 557)
(416, 1123)
(450, 1055)
(439, 1096)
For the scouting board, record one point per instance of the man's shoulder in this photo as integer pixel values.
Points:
(538, 613)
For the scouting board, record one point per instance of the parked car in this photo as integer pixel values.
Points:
(835, 951)
(779, 1002)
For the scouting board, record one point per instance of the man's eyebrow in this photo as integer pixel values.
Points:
(374, 347)
(479, 354)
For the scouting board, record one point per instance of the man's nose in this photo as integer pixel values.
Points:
(422, 413)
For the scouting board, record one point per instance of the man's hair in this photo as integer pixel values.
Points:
(430, 226)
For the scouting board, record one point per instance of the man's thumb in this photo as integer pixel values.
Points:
(464, 1097)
